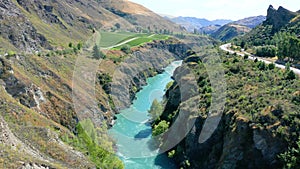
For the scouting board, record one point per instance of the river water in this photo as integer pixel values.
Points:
(132, 131)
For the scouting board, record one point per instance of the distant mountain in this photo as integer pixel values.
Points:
(209, 29)
(237, 28)
(251, 22)
(191, 23)
(221, 21)
(229, 31)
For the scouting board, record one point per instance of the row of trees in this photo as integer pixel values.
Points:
(282, 44)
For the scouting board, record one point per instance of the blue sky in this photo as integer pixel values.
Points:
(216, 9)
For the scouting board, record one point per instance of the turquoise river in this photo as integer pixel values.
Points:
(132, 130)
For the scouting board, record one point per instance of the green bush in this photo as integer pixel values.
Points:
(261, 65)
(156, 110)
(171, 154)
(79, 46)
(266, 51)
(11, 53)
(160, 128)
(291, 158)
(290, 75)
(126, 49)
(88, 140)
(271, 66)
(168, 86)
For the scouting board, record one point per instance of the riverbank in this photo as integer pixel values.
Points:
(132, 130)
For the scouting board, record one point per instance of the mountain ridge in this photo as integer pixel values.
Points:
(191, 23)
(71, 21)
(237, 28)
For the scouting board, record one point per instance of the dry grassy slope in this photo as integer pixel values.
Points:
(237, 28)
(230, 31)
(67, 21)
(141, 15)
(30, 25)
(25, 136)
(36, 101)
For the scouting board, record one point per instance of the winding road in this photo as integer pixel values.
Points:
(226, 47)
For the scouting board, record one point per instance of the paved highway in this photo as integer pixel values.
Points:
(226, 47)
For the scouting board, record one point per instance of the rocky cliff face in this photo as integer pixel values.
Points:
(17, 30)
(145, 62)
(278, 18)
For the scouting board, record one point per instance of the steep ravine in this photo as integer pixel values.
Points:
(36, 97)
(239, 140)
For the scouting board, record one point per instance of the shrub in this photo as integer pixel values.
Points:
(160, 128)
(168, 86)
(271, 66)
(126, 49)
(235, 60)
(291, 158)
(79, 46)
(11, 53)
(261, 65)
(290, 75)
(171, 154)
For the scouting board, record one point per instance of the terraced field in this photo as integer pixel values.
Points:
(113, 38)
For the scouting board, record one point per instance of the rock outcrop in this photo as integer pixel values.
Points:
(18, 30)
(278, 18)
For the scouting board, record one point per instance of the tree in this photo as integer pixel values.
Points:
(79, 46)
(291, 75)
(97, 54)
(155, 110)
(149, 29)
(243, 43)
(195, 31)
(117, 25)
(288, 45)
(294, 48)
(126, 49)
(271, 66)
(261, 65)
(160, 128)
(70, 44)
(281, 41)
